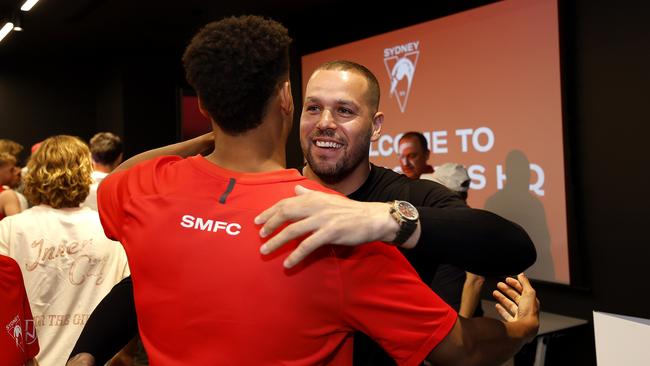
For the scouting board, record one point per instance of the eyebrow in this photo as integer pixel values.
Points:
(338, 101)
(346, 102)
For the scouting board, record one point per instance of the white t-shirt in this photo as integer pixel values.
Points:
(23, 201)
(91, 200)
(68, 265)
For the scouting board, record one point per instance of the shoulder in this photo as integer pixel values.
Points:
(376, 257)
(146, 172)
(8, 195)
(315, 186)
(158, 164)
(390, 185)
(9, 269)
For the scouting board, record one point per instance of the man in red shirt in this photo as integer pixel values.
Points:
(18, 341)
(204, 293)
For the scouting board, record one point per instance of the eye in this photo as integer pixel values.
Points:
(347, 111)
(312, 108)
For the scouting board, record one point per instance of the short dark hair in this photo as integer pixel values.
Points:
(419, 137)
(105, 148)
(373, 84)
(234, 65)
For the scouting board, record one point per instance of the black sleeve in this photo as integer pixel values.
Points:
(475, 240)
(111, 325)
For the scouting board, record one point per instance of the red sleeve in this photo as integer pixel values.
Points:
(12, 287)
(31, 340)
(384, 298)
(117, 189)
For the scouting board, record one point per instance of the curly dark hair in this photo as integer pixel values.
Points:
(106, 148)
(234, 65)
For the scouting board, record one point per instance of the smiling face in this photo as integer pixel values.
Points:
(337, 124)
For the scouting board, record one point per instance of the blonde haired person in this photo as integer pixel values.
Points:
(68, 263)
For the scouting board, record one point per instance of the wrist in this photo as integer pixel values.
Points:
(385, 223)
(404, 231)
(524, 330)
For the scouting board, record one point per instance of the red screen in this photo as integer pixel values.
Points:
(484, 87)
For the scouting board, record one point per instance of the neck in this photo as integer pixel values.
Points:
(259, 150)
(348, 184)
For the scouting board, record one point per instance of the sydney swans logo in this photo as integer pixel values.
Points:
(400, 62)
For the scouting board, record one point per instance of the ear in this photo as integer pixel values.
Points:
(286, 99)
(377, 121)
(202, 109)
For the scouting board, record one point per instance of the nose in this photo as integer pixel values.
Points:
(326, 121)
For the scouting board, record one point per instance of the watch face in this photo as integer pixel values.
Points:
(407, 210)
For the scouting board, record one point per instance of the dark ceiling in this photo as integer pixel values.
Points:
(64, 26)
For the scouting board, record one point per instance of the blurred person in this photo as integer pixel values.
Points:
(107, 152)
(67, 262)
(9, 200)
(414, 154)
(11, 147)
(460, 289)
(18, 340)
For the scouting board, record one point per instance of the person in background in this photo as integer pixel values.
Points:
(414, 154)
(461, 289)
(67, 262)
(11, 147)
(107, 153)
(9, 200)
(14, 148)
(18, 340)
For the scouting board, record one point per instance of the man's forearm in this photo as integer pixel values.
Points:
(481, 341)
(184, 149)
(111, 325)
(475, 240)
(494, 341)
(471, 295)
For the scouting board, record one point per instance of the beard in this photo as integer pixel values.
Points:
(332, 172)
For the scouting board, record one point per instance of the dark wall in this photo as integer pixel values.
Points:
(44, 97)
(135, 98)
(606, 94)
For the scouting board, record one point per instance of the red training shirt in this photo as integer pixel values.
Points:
(18, 342)
(206, 296)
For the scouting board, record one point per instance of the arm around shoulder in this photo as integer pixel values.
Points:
(183, 149)
(476, 240)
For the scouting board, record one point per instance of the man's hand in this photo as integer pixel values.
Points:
(330, 218)
(81, 359)
(517, 302)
